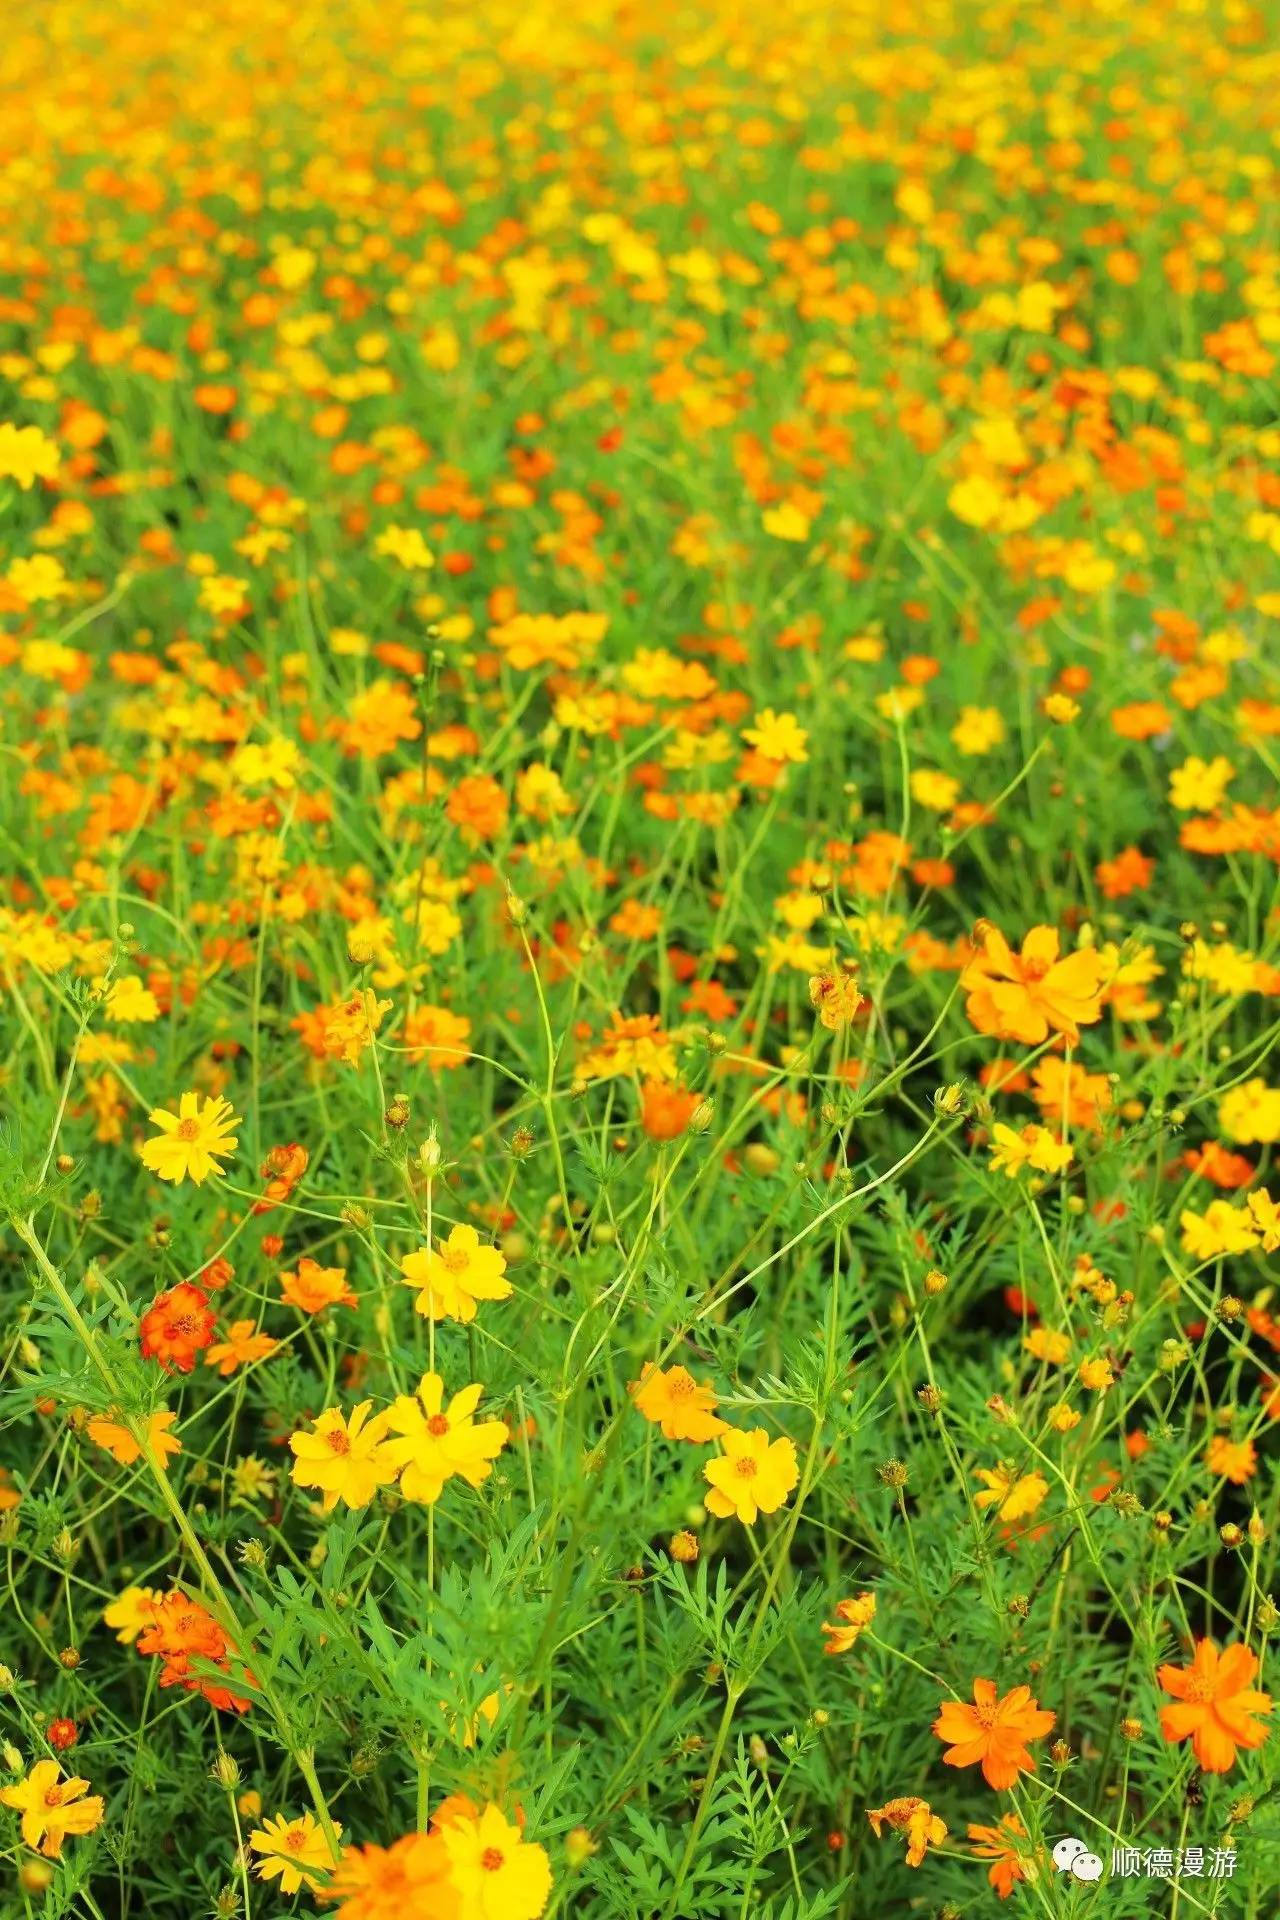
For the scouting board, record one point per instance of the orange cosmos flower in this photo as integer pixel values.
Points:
(997, 1844)
(107, 1431)
(1234, 1460)
(675, 1402)
(1215, 1705)
(180, 1630)
(915, 1820)
(244, 1343)
(1027, 996)
(311, 1288)
(176, 1327)
(993, 1732)
(854, 1616)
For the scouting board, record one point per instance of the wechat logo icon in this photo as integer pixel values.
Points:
(1073, 1857)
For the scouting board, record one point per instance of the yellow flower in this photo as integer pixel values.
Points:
(436, 1443)
(786, 522)
(131, 1613)
(1266, 1218)
(1197, 786)
(937, 791)
(495, 1872)
(978, 730)
(130, 1000)
(293, 1851)
(1061, 709)
(26, 455)
(1014, 1496)
(407, 546)
(345, 1460)
(752, 1476)
(192, 1141)
(778, 736)
(1030, 1147)
(1042, 1343)
(454, 1275)
(1250, 1114)
(52, 1808)
(1096, 1374)
(1220, 1229)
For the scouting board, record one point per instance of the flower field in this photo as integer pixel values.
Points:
(639, 960)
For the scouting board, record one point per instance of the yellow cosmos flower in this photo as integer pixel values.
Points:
(192, 1141)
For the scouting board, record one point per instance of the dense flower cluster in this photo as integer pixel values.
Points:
(639, 955)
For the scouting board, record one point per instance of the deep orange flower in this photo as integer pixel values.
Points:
(176, 1326)
(1215, 1705)
(992, 1732)
(181, 1631)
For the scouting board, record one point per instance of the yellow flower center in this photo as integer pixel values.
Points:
(1033, 970)
(187, 1130)
(491, 1859)
(746, 1469)
(437, 1425)
(681, 1386)
(985, 1716)
(294, 1838)
(1200, 1690)
(454, 1259)
(338, 1441)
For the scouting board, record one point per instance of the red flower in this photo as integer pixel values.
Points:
(62, 1734)
(176, 1326)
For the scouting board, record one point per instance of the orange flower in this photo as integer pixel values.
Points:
(993, 1732)
(915, 1819)
(1008, 1866)
(176, 1326)
(1233, 1460)
(665, 1111)
(243, 1344)
(855, 1616)
(1215, 1704)
(181, 1631)
(116, 1439)
(311, 1288)
(1027, 996)
(675, 1402)
(437, 1036)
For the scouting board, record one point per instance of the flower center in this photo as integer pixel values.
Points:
(182, 1326)
(187, 1130)
(53, 1798)
(491, 1859)
(745, 1469)
(454, 1260)
(295, 1839)
(338, 1441)
(1200, 1690)
(681, 1386)
(985, 1716)
(437, 1424)
(1033, 970)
